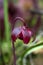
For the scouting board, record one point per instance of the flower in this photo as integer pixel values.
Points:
(22, 32)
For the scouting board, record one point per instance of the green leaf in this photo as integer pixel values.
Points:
(7, 31)
(31, 49)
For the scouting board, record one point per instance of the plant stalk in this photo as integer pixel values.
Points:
(6, 23)
(13, 47)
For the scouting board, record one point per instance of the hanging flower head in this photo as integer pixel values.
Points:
(22, 32)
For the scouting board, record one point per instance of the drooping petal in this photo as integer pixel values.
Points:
(22, 33)
(13, 37)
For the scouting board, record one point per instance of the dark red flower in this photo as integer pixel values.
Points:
(23, 33)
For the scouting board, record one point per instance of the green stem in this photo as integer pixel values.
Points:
(6, 20)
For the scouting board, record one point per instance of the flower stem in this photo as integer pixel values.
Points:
(13, 47)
